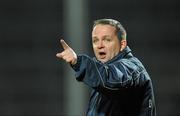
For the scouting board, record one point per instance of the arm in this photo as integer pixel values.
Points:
(108, 77)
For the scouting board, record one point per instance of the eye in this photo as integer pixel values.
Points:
(95, 40)
(108, 39)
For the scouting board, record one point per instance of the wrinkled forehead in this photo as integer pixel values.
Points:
(103, 29)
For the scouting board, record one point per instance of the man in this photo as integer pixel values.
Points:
(120, 84)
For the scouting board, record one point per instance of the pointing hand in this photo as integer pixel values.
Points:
(68, 54)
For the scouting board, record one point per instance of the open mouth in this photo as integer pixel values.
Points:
(102, 54)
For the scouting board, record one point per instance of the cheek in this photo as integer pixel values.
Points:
(95, 49)
(112, 49)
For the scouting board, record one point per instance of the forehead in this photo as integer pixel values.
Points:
(103, 29)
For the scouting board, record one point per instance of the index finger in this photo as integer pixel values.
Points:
(64, 44)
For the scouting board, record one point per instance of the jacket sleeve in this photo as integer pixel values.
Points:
(114, 76)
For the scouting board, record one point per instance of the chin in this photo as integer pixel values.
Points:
(103, 61)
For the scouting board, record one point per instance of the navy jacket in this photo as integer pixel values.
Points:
(121, 86)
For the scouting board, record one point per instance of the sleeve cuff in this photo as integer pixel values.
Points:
(77, 65)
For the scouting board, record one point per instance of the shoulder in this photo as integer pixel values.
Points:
(133, 64)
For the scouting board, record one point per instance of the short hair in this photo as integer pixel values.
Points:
(120, 31)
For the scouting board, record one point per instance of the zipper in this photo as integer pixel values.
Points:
(150, 107)
(106, 69)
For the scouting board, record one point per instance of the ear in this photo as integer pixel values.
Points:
(123, 44)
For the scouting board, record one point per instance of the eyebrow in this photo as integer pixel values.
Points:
(95, 37)
(107, 36)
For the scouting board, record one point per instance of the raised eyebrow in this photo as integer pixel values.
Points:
(94, 37)
(107, 36)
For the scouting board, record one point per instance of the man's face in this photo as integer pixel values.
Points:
(105, 42)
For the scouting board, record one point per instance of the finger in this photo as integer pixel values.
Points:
(59, 55)
(62, 55)
(64, 44)
(68, 59)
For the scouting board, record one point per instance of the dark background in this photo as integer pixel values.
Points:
(31, 77)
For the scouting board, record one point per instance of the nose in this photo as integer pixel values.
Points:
(101, 45)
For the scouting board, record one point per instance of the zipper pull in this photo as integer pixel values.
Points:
(150, 103)
(106, 69)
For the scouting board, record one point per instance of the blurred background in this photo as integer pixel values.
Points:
(34, 82)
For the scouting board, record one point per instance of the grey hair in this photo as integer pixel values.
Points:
(121, 32)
